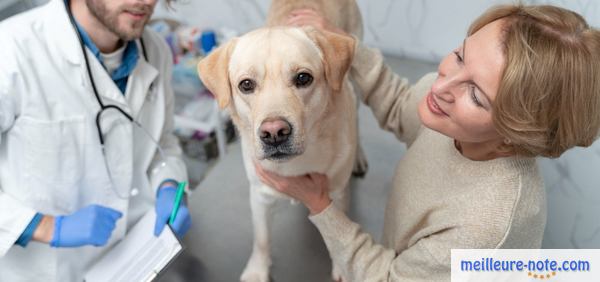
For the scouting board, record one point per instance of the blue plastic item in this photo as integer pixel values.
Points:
(91, 225)
(208, 41)
(165, 201)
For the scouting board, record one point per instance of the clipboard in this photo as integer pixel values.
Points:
(139, 256)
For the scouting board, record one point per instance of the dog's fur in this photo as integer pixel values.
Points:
(322, 116)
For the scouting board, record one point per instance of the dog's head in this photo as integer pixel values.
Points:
(277, 83)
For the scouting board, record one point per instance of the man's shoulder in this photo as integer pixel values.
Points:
(157, 48)
(23, 25)
(155, 40)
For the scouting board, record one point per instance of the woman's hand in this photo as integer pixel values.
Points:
(302, 17)
(311, 189)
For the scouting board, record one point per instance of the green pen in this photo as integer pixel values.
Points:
(177, 203)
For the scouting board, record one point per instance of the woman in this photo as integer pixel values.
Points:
(524, 83)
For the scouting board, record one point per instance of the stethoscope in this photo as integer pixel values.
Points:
(104, 107)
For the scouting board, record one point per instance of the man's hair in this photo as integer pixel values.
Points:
(549, 95)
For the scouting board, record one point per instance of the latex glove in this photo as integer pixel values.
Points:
(165, 200)
(91, 225)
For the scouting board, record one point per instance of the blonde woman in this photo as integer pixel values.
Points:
(525, 83)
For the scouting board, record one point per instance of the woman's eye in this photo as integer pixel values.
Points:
(303, 79)
(474, 96)
(247, 86)
(458, 57)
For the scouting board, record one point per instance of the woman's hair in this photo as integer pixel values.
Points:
(549, 95)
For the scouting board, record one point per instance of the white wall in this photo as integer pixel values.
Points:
(429, 29)
(423, 29)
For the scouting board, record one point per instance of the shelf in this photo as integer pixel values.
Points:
(215, 123)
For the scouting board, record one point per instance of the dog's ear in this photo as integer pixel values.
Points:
(214, 72)
(338, 53)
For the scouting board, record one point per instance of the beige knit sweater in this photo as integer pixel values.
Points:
(440, 200)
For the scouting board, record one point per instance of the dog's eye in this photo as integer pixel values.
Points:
(247, 86)
(303, 80)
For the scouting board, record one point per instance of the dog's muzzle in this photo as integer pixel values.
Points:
(276, 136)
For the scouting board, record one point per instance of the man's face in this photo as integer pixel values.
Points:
(125, 18)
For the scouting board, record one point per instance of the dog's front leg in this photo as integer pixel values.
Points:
(257, 268)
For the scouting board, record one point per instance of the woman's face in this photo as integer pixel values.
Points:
(459, 103)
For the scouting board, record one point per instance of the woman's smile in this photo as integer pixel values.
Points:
(433, 106)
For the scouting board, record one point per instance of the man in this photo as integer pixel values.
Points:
(75, 171)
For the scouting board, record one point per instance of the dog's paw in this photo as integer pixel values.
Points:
(361, 165)
(336, 274)
(257, 270)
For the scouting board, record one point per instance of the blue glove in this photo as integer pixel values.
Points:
(91, 225)
(164, 205)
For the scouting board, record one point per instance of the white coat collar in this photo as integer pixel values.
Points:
(61, 33)
(141, 83)
(138, 85)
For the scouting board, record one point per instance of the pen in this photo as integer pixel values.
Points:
(177, 203)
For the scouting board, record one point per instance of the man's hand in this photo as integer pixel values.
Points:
(165, 201)
(91, 225)
(44, 231)
(311, 189)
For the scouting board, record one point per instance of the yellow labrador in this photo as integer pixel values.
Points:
(288, 94)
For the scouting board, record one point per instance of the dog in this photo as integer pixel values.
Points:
(289, 95)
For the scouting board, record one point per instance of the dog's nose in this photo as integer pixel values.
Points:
(275, 131)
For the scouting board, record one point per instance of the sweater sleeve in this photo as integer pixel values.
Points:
(361, 259)
(391, 98)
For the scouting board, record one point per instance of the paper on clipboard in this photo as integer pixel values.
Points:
(140, 256)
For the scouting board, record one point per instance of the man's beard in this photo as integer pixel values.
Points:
(111, 20)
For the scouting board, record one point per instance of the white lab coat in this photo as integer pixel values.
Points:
(50, 155)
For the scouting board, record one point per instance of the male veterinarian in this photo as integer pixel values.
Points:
(86, 114)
